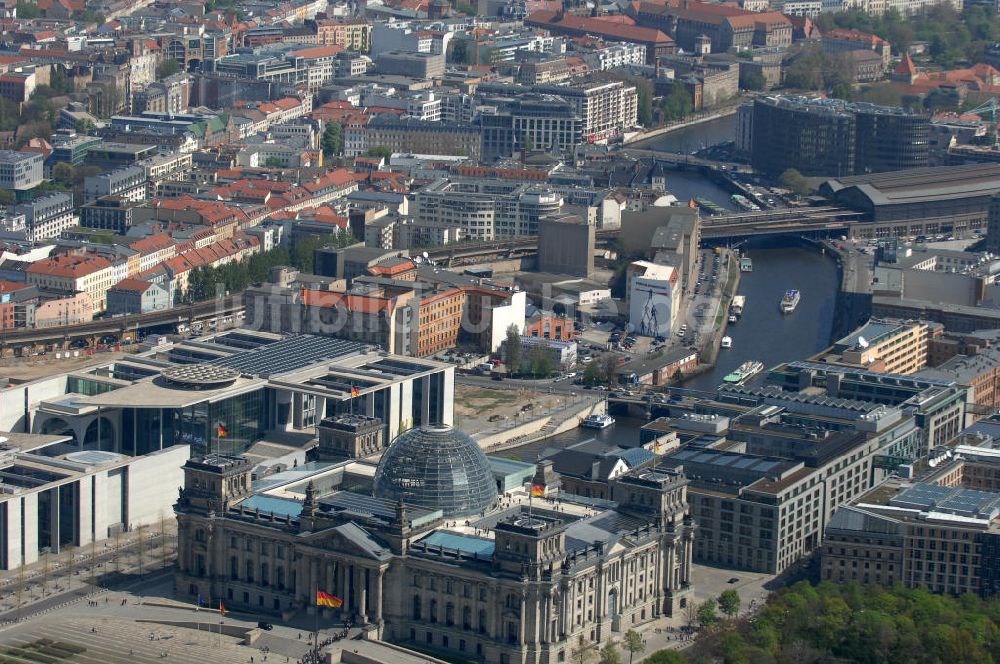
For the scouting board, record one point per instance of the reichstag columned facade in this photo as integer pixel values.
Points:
(488, 577)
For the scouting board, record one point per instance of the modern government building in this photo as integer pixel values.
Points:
(99, 451)
(223, 393)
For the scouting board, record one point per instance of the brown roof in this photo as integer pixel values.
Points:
(131, 284)
(629, 33)
(906, 66)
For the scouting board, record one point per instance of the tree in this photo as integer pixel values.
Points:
(379, 151)
(633, 643)
(592, 374)
(609, 653)
(274, 162)
(26, 9)
(706, 613)
(665, 657)
(678, 104)
(333, 139)
(460, 51)
(581, 652)
(795, 182)
(167, 68)
(843, 91)
(64, 173)
(610, 365)
(755, 80)
(512, 348)
(539, 362)
(729, 602)
(89, 16)
(59, 81)
(7, 197)
(83, 126)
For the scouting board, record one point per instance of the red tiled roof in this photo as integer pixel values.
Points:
(392, 270)
(152, 243)
(843, 34)
(359, 303)
(72, 267)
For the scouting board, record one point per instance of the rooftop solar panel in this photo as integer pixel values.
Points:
(289, 354)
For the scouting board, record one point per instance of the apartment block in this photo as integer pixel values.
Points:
(47, 216)
(92, 275)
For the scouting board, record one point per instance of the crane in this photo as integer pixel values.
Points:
(989, 105)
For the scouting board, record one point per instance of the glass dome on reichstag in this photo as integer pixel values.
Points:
(437, 467)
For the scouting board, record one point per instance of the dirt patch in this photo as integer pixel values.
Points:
(475, 406)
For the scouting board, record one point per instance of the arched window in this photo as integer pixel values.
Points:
(449, 614)
(467, 619)
(416, 607)
(482, 621)
(433, 611)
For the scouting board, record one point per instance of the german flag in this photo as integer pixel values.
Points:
(222, 609)
(537, 490)
(222, 431)
(355, 392)
(326, 599)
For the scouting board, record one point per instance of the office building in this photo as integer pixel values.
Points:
(227, 392)
(422, 66)
(20, 171)
(941, 533)
(111, 156)
(606, 108)
(937, 406)
(486, 209)
(890, 346)
(530, 122)
(835, 138)
(57, 496)
(763, 513)
(130, 183)
(566, 246)
(422, 136)
(108, 213)
(70, 148)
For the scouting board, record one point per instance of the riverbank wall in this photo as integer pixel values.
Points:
(541, 428)
(640, 137)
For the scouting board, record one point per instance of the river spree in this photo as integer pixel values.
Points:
(696, 137)
(764, 333)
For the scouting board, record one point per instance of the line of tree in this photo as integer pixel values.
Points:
(951, 36)
(205, 282)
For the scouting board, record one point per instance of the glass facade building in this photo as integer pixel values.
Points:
(229, 426)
